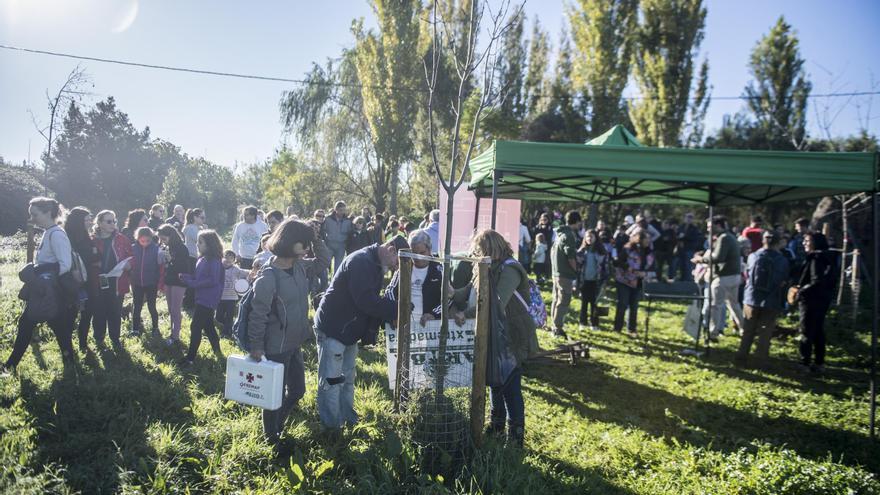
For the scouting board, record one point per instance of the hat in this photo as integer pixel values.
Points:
(629, 220)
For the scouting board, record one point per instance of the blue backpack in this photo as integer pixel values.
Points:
(240, 327)
(535, 305)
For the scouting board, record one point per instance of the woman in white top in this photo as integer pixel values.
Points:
(53, 256)
(195, 223)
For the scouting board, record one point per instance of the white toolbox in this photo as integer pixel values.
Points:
(255, 383)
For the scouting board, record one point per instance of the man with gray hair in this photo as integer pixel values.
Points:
(433, 230)
(426, 281)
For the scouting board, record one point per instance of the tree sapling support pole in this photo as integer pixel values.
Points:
(404, 311)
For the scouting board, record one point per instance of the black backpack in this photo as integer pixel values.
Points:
(240, 327)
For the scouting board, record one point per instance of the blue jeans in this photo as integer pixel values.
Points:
(507, 402)
(337, 251)
(336, 374)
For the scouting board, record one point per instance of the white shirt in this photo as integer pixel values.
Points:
(191, 239)
(246, 238)
(418, 278)
(524, 237)
(55, 248)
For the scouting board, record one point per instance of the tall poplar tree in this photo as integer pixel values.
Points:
(603, 33)
(667, 41)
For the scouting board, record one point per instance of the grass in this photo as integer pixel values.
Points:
(634, 418)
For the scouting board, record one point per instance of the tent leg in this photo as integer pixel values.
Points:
(711, 276)
(494, 196)
(874, 323)
(476, 209)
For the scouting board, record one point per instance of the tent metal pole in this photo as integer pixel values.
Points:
(494, 196)
(874, 324)
(711, 275)
(476, 208)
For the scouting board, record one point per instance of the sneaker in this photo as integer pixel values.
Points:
(804, 368)
(155, 333)
(817, 369)
(185, 363)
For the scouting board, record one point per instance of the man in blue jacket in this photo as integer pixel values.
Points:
(351, 311)
(767, 275)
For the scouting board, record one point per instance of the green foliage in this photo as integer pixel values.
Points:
(778, 94)
(198, 183)
(604, 33)
(388, 69)
(101, 161)
(667, 39)
(564, 117)
(17, 186)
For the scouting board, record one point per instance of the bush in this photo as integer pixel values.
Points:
(17, 186)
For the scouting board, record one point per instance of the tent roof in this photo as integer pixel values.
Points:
(617, 135)
(614, 167)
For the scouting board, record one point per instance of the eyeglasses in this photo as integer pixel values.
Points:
(110, 222)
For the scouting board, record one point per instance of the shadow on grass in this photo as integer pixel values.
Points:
(93, 420)
(703, 424)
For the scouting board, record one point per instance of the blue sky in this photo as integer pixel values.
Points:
(231, 120)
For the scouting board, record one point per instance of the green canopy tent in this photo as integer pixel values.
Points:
(615, 167)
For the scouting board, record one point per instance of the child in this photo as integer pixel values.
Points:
(177, 263)
(261, 257)
(539, 260)
(207, 284)
(593, 273)
(145, 274)
(226, 308)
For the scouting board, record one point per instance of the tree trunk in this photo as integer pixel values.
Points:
(394, 179)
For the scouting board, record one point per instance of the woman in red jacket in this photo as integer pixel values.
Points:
(112, 247)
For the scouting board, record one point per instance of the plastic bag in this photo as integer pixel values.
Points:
(500, 361)
(692, 319)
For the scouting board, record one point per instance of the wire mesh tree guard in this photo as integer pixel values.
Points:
(440, 385)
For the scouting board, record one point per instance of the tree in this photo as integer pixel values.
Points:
(101, 160)
(563, 119)
(533, 86)
(387, 67)
(470, 65)
(603, 32)
(69, 93)
(777, 96)
(667, 40)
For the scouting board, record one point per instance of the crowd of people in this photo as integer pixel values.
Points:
(752, 277)
(86, 264)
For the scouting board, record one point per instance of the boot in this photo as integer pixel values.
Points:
(516, 434)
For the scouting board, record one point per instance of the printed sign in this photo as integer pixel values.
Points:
(423, 347)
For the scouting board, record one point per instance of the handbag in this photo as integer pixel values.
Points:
(792, 295)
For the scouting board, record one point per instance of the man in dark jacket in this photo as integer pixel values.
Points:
(351, 311)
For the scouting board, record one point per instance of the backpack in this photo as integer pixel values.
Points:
(535, 305)
(240, 327)
(761, 276)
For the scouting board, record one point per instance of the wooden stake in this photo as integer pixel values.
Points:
(30, 244)
(481, 347)
(404, 313)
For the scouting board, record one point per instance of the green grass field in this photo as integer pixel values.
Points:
(634, 418)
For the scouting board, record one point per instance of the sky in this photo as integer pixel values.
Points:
(231, 121)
